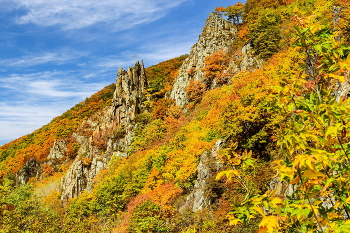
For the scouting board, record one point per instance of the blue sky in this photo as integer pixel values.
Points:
(55, 53)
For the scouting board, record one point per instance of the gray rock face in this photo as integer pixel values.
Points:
(81, 174)
(201, 197)
(281, 188)
(217, 34)
(128, 97)
(91, 158)
(342, 89)
(245, 61)
(31, 169)
(58, 150)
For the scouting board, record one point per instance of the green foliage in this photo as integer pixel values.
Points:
(22, 211)
(109, 194)
(264, 32)
(147, 217)
(80, 215)
(161, 76)
(154, 131)
(313, 141)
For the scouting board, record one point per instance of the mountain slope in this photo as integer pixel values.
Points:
(246, 133)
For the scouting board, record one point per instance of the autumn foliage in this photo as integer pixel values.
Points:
(283, 161)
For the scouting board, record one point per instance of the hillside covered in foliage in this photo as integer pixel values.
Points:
(249, 132)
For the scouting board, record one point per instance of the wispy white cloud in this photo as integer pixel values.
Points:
(55, 88)
(113, 62)
(151, 53)
(61, 57)
(39, 98)
(49, 85)
(23, 119)
(76, 14)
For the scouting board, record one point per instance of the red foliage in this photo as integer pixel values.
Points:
(195, 90)
(38, 144)
(160, 107)
(220, 9)
(215, 64)
(48, 169)
(100, 138)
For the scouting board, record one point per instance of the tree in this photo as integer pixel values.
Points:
(234, 13)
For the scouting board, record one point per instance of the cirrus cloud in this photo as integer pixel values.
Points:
(77, 14)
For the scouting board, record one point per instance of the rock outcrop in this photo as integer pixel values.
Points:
(218, 34)
(58, 150)
(128, 96)
(246, 61)
(111, 132)
(203, 194)
(31, 169)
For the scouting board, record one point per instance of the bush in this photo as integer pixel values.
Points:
(215, 64)
(147, 217)
(195, 90)
(109, 194)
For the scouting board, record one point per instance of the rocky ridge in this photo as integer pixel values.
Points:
(218, 34)
(112, 132)
(203, 193)
(109, 133)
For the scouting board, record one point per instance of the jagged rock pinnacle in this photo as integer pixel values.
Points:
(217, 34)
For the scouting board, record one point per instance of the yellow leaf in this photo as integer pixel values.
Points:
(270, 223)
(331, 130)
(232, 173)
(341, 78)
(348, 59)
(229, 174)
(337, 204)
(276, 201)
(235, 161)
(259, 210)
(311, 174)
(347, 200)
(234, 221)
(308, 162)
(286, 171)
(333, 215)
(316, 203)
(295, 181)
(220, 175)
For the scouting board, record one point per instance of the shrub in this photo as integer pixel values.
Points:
(214, 65)
(147, 217)
(195, 90)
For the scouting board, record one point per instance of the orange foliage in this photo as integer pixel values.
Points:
(220, 9)
(174, 119)
(38, 144)
(48, 169)
(161, 76)
(160, 107)
(86, 161)
(214, 65)
(195, 89)
(192, 71)
(243, 33)
(163, 195)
